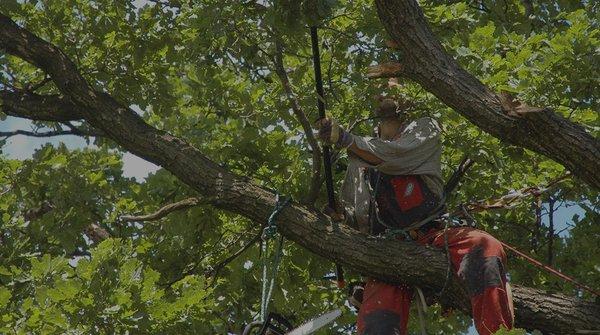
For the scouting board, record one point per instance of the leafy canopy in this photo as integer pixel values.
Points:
(204, 71)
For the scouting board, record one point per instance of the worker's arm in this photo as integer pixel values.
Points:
(331, 133)
(421, 133)
(364, 155)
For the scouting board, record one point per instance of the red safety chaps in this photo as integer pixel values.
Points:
(478, 259)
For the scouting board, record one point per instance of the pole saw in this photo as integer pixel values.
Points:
(339, 272)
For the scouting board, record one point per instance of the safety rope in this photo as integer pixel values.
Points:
(272, 261)
(550, 269)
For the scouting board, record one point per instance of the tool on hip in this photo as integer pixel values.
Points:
(326, 149)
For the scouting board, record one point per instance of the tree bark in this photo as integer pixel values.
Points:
(28, 105)
(387, 259)
(425, 61)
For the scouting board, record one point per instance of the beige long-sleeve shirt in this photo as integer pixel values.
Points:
(417, 151)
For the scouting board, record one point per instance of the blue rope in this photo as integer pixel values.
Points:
(271, 228)
(268, 282)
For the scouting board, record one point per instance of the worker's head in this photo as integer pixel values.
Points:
(390, 117)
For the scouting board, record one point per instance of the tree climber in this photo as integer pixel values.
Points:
(393, 181)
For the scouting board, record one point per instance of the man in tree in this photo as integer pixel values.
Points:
(393, 182)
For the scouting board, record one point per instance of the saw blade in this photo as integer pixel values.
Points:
(316, 323)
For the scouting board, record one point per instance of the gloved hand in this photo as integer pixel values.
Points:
(331, 133)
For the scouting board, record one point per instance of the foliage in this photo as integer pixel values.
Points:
(204, 71)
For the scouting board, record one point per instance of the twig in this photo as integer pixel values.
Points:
(301, 116)
(219, 266)
(164, 211)
(39, 85)
(7, 134)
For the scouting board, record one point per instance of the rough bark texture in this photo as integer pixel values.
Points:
(389, 260)
(425, 62)
(555, 313)
(38, 107)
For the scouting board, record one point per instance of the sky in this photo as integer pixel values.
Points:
(22, 147)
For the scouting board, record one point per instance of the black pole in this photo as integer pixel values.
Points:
(321, 105)
(326, 150)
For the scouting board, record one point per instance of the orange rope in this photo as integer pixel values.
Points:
(550, 270)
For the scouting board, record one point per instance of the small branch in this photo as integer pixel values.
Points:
(39, 85)
(315, 184)
(7, 134)
(219, 266)
(386, 70)
(84, 132)
(164, 211)
(213, 270)
(359, 121)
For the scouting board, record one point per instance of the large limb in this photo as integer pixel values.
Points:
(381, 258)
(425, 61)
(33, 106)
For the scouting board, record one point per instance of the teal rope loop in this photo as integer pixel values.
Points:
(271, 228)
(271, 263)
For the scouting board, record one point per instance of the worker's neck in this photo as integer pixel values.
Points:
(389, 129)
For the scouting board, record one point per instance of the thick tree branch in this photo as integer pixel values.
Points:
(387, 259)
(33, 106)
(315, 184)
(426, 62)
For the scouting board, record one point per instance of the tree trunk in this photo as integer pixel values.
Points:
(389, 260)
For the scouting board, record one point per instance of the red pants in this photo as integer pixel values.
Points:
(479, 261)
